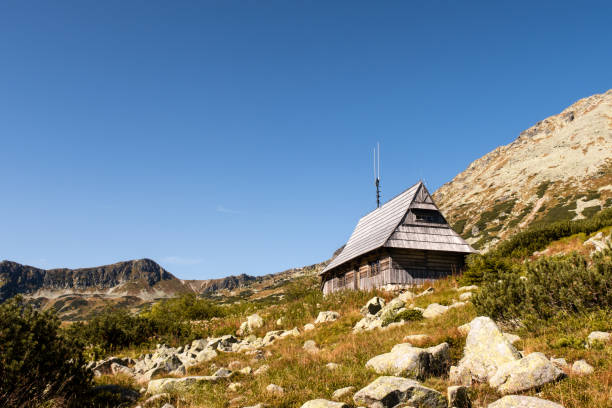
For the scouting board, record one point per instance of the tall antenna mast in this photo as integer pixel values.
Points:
(377, 173)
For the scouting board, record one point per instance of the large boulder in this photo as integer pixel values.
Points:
(323, 403)
(519, 401)
(388, 392)
(598, 337)
(373, 306)
(328, 316)
(343, 392)
(529, 372)
(458, 397)
(581, 367)
(409, 361)
(486, 349)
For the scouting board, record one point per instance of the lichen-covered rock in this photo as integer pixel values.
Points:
(328, 316)
(205, 355)
(406, 360)
(323, 403)
(486, 349)
(391, 309)
(311, 347)
(309, 327)
(598, 337)
(275, 389)
(465, 296)
(434, 310)
(176, 384)
(367, 323)
(458, 397)
(343, 392)
(519, 401)
(467, 288)
(388, 392)
(373, 306)
(529, 372)
(581, 367)
(512, 338)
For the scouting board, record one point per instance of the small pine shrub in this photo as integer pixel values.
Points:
(551, 286)
(404, 315)
(38, 365)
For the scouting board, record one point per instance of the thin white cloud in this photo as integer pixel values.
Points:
(179, 260)
(226, 210)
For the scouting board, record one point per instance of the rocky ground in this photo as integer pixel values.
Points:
(412, 350)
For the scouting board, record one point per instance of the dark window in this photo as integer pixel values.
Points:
(374, 268)
(428, 216)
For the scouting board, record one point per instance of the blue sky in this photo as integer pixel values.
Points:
(224, 137)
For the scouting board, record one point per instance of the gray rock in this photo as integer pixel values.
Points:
(426, 292)
(261, 370)
(486, 349)
(367, 323)
(167, 406)
(406, 296)
(406, 360)
(332, 366)
(222, 373)
(598, 337)
(416, 338)
(373, 306)
(328, 316)
(205, 355)
(275, 389)
(155, 400)
(434, 310)
(388, 392)
(581, 367)
(309, 327)
(323, 403)
(311, 347)
(529, 372)
(467, 288)
(465, 296)
(560, 363)
(391, 309)
(170, 385)
(460, 376)
(458, 397)
(343, 392)
(516, 401)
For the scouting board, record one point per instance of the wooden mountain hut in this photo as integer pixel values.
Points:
(404, 242)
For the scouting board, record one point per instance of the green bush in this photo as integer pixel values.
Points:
(551, 286)
(404, 315)
(38, 366)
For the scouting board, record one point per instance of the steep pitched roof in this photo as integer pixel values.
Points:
(382, 228)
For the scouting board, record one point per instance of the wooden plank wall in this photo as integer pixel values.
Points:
(407, 267)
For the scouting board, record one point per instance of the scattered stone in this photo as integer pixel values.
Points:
(205, 355)
(311, 347)
(328, 316)
(252, 323)
(261, 370)
(434, 310)
(512, 338)
(427, 291)
(367, 323)
(169, 385)
(275, 389)
(560, 363)
(343, 392)
(406, 360)
(581, 367)
(486, 349)
(416, 338)
(246, 370)
(234, 365)
(598, 337)
(467, 288)
(466, 296)
(332, 366)
(167, 405)
(260, 405)
(388, 392)
(235, 386)
(322, 403)
(222, 373)
(406, 296)
(457, 304)
(279, 322)
(519, 401)
(390, 310)
(309, 327)
(529, 372)
(458, 397)
(373, 306)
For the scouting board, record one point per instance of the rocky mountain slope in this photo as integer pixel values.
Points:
(559, 169)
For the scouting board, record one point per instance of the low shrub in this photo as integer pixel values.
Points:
(551, 286)
(38, 365)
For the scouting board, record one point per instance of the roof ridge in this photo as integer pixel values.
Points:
(391, 199)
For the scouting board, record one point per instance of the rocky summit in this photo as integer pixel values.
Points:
(558, 169)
